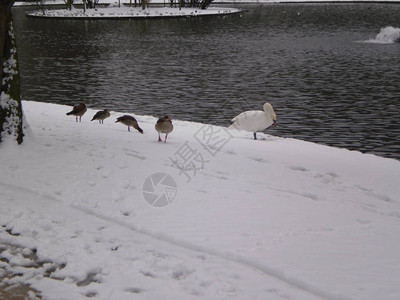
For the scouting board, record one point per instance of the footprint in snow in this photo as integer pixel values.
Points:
(297, 168)
(126, 213)
(90, 277)
(148, 274)
(127, 185)
(92, 183)
(118, 197)
(259, 159)
(364, 221)
(230, 152)
(135, 154)
(133, 290)
(181, 272)
(328, 177)
(381, 197)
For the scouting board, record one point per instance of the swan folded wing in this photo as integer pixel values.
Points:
(245, 115)
(251, 121)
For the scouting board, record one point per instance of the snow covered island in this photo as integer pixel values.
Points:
(93, 210)
(131, 12)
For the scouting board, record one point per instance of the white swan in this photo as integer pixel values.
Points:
(255, 120)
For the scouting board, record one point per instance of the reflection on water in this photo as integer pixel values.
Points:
(306, 59)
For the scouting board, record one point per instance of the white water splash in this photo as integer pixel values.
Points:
(388, 35)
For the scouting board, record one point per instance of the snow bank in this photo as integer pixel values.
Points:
(246, 219)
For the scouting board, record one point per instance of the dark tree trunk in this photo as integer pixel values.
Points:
(10, 95)
(205, 3)
(69, 4)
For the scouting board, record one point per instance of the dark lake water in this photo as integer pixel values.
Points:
(310, 61)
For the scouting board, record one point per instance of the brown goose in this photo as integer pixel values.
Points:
(164, 125)
(78, 111)
(129, 121)
(101, 115)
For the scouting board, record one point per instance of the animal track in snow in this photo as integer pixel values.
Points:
(147, 274)
(259, 159)
(298, 168)
(133, 290)
(181, 272)
(126, 213)
(381, 197)
(135, 154)
(127, 185)
(90, 277)
(373, 194)
(327, 178)
(364, 221)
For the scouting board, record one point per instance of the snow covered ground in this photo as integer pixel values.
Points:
(92, 210)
